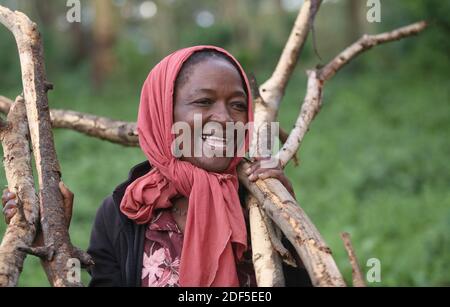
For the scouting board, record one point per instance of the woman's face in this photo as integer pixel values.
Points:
(214, 90)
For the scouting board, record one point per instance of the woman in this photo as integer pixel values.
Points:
(180, 221)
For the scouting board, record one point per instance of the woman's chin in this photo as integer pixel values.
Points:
(214, 164)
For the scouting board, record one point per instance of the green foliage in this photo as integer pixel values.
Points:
(375, 164)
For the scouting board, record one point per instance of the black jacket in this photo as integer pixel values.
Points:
(117, 243)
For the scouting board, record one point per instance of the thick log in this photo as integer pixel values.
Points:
(266, 261)
(115, 131)
(297, 227)
(21, 230)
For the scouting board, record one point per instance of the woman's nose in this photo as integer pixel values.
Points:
(220, 113)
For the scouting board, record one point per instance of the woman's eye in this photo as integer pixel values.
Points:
(240, 106)
(203, 102)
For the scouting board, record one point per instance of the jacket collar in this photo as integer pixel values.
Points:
(135, 172)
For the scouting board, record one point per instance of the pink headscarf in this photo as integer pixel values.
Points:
(215, 232)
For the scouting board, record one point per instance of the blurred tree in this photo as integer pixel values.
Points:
(80, 42)
(104, 38)
(355, 19)
(45, 11)
(165, 20)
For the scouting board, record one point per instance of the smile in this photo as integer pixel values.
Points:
(214, 141)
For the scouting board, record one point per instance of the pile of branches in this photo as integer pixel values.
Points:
(27, 133)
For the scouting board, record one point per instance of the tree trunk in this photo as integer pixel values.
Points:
(104, 36)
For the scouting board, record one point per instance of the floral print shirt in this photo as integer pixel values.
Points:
(162, 254)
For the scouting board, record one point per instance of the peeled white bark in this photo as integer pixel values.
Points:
(266, 260)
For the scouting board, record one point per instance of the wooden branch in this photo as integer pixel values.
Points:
(365, 43)
(85, 259)
(35, 86)
(283, 138)
(273, 89)
(266, 103)
(21, 230)
(46, 253)
(275, 236)
(266, 257)
(310, 107)
(357, 275)
(266, 261)
(118, 132)
(297, 227)
(316, 79)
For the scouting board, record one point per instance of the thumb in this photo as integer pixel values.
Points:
(67, 199)
(66, 193)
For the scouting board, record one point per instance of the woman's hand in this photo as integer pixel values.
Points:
(255, 172)
(9, 203)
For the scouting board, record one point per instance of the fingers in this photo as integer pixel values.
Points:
(9, 205)
(269, 173)
(257, 171)
(66, 193)
(68, 201)
(254, 159)
(7, 195)
(263, 166)
(264, 173)
(9, 210)
(276, 174)
(253, 167)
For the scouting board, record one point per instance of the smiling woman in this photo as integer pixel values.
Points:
(184, 222)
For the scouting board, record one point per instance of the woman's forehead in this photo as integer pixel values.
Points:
(212, 73)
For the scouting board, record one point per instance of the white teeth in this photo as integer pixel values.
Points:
(215, 138)
(216, 142)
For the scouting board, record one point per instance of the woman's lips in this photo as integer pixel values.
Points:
(214, 142)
